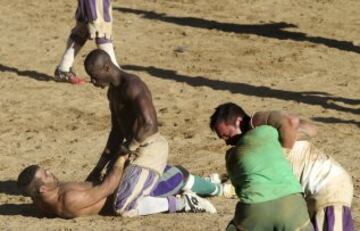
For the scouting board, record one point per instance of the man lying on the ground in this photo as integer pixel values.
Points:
(328, 188)
(68, 199)
(73, 199)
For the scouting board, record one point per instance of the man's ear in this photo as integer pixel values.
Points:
(238, 121)
(43, 189)
(106, 67)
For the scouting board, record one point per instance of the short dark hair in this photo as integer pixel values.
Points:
(96, 59)
(26, 181)
(227, 112)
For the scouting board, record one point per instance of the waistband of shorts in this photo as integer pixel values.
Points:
(151, 138)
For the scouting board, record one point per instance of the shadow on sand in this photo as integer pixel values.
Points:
(322, 99)
(26, 210)
(9, 187)
(269, 30)
(27, 73)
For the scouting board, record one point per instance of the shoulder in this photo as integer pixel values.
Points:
(135, 86)
(260, 118)
(259, 135)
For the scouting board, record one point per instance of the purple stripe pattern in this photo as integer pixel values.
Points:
(86, 11)
(127, 185)
(330, 218)
(102, 40)
(148, 182)
(314, 223)
(80, 14)
(348, 224)
(91, 9)
(172, 204)
(106, 5)
(129, 182)
(170, 183)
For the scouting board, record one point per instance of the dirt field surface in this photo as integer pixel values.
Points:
(299, 56)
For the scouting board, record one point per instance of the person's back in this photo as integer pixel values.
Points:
(327, 186)
(265, 184)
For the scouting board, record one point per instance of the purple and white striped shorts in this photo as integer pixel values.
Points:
(333, 218)
(136, 183)
(170, 182)
(87, 10)
(93, 20)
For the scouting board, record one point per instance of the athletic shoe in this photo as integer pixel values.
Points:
(67, 76)
(196, 204)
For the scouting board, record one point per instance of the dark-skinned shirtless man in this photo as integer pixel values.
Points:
(134, 131)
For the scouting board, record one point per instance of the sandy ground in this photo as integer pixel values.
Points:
(300, 56)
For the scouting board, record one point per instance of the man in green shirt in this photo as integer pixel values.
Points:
(270, 195)
(328, 188)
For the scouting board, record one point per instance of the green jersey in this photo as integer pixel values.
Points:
(258, 169)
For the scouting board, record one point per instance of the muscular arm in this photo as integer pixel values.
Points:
(85, 202)
(306, 130)
(145, 116)
(112, 148)
(288, 125)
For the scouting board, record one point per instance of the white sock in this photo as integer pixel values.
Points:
(72, 49)
(151, 205)
(189, 183)
(108, 48)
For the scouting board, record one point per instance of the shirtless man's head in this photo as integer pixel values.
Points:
(36, 182)
(229, 121)
(101, 70)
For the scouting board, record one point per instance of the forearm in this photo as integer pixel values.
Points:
(112, 180)
(110, 152)
(113, 144)
(288, 139)
(306, 130)
(287, 126)
(75, 201)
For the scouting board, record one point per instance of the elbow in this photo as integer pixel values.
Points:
(288, 144)
(294, 122)
(313, 131)
(150, 127)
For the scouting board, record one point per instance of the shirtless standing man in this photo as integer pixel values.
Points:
(134, 131)
(328, 188)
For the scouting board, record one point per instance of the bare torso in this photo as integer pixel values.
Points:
(62, 207)
(132, 108)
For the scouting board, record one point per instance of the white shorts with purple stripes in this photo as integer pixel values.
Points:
(93, 19)
(333, 218)
(136, 183)
(142, 175)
